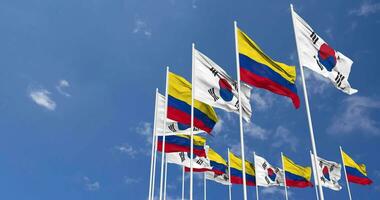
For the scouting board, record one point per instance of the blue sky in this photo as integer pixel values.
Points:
(78, 78)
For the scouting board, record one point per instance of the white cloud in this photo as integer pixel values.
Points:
(256, 131)
(329, 33)
(62, 84)
(315, 83)
(262, 100)
(274, 190)
(130, 180)
(145, 129)
(218, 126)
(355, 115)
(194, 4)
(127, 149)
(41, 97)
(366, 8)
(283, 136)
(141, 27)
(91, 185)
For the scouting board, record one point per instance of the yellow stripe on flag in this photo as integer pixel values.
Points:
(180, 89)
(213, 156)
(250, 49)
(295, 169)
(349, 162)
(236, 163)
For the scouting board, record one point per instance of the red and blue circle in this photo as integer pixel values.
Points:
(326, 56)
(326, 173)
(225, 90)
(271, 174)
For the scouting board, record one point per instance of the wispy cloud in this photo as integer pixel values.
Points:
(194, 4)
(366, 8)
(127, 149)
(141, 27)
(355, 115)
(316, 84)
(145, 129)
(270, 191)
(130, 180)
(41, 97)
(262, 100)
(218, 126)
(283, 137)
(62, 85)
(91, 185)
(256, 131)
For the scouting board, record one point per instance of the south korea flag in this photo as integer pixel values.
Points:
(266, 174)
(215, 87)
(315, 54)
(329, 173)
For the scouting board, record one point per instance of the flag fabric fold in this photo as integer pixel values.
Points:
(296, 175)
(237, 171)
(184, 159)
(356, 173)
(329, 173)
(179, 105)
(216, 88)
(181, 143)
(315, 54)
(172, 127)
(266, 174)
(259, 70)
(219, 171)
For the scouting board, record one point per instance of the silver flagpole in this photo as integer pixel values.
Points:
(183, 183)
(204, 186)
(166, 177)
(307, 107)
(240, 113)
(229, 176)
(314, 175)
(283, 168)
(152, 160)
(192, 121)
(257, 187)
(345, 173)
(163, 137)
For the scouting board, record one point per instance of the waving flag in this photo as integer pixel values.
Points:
(266, 174)
(181, 143)
(219, 171)
(179, 105)
(296, 175)
(259, 70)
(356, 173)
(184, 159)
(317, 55)
(237, 171)
(329, 173)
(216, 88)
(172, 127)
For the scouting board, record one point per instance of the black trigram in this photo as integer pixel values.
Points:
(314, 37)
(264, 165)
(182, 156)
(237, 105)
(211, 91)
(172, 128)
(267, 180)
(339, 79)
(199, 162)
(214, 71)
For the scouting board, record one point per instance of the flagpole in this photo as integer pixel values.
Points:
(204, 186)
(283, 168)
(154, 166)
(166, 177)
(151, 185)
(345, 173)
(314, 175)
(240, 113)
(307, 108)
(183, 183)
(229, 175)
(257, 187)
(192, 121)
(163, 137)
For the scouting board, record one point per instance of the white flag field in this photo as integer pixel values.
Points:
(184, 159)
(216, 88)
(329, 173)
(172, 127)
(266, 174)
(219, 178)
(315, 54)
